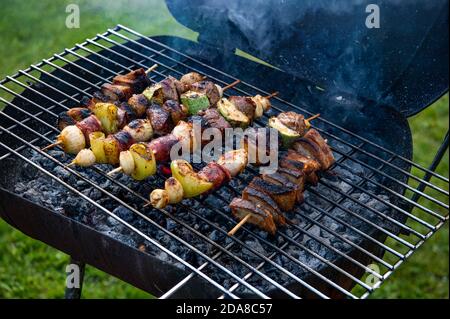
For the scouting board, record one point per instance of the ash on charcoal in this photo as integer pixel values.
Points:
(214, 209)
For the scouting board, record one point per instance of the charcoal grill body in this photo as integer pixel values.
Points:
(378, 115)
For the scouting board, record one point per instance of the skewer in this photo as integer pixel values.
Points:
(146, 205)
(309, 119)
(272, 95)
(114, 171)
(231, 85)
(150, 69)
(239, 225)
(51, 145)
(71, 164)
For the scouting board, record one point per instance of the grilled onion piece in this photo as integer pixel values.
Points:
(84, 158)
(174, 190)
(126, 161)
(159, 198)
(141, 130)
(234, 161)
(72, 139)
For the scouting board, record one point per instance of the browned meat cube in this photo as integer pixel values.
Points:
(294, 121)
(137, 80)
(160, 118)
(283, 181)
(240, 208)
(283, 196)
(244, 104)
(264, 201)
(208, 88)
(116, 92)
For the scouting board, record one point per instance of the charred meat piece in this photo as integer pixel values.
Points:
(169, 89)
(294, 121)
(295, 176)
(190, 78)
(208, 88)
(125, 114)
(265, 202)
(89, 125)
(177, 111)
(244, 104)
(321, 151)
(72, 116)
(262, 219)
(161, 147)
(283, 196)
(309, 165)
(137, 80)
(283, 181)
(116, 92)
(139, 104)
(160, 118)
(210, 118)
(216, 174)
(124, 139)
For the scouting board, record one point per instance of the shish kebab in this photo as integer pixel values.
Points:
(266, 197)
(101, 114)
(139, 160)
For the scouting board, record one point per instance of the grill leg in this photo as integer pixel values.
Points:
(74, 279)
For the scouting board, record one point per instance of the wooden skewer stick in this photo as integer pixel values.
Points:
(150, 69)
(309, 119)
(239, 225)
(71, 164)
(231, 85)
(52, 145)
(146, 205)
(114, 171)
(272, 95)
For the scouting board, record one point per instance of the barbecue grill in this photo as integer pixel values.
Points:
(368, 214)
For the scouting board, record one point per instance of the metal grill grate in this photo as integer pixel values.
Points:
(389, 244)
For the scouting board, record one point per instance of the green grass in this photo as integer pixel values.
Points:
(30, 269)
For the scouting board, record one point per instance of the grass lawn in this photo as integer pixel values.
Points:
(31, 30)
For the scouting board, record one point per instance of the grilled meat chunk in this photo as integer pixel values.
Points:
(125, 114)
(139, 104)
(137, 80)
(316, 147)
(169, 89)
(177, 111)
(241, 208)
(265, 202)
(208, 88)
(190, 78)
(89, 125)
(281, 180)
(161, 147)
(72, 116)
(295, 176)
(216, 174)
(283, 196)
(299, 162)
(116, 92)
(212, 118)
(294, 121)
(160, 118)
(244, 104)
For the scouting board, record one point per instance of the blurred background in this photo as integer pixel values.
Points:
(32, 30)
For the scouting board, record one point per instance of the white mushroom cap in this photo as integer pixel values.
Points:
(72, 139)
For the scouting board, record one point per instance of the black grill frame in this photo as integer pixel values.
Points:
(164, 53)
